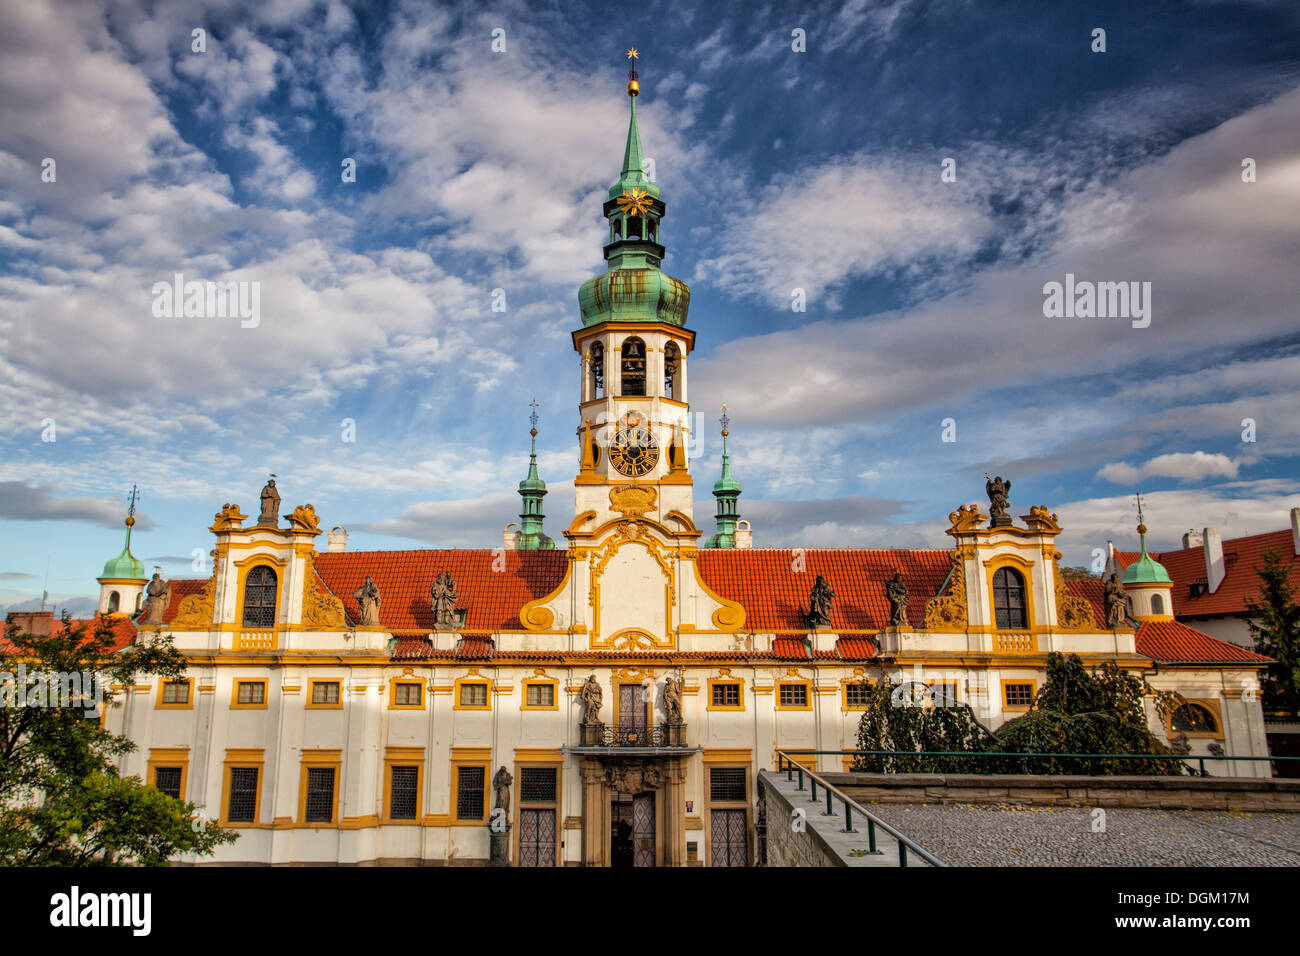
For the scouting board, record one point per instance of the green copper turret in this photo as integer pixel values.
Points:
(727, 490)
(532, 490)
(634, 289)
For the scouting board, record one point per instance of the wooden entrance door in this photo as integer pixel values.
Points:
(632, 830)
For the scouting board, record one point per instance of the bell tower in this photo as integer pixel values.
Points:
(633, 423)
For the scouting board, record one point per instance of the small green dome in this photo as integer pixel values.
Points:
(125, 565)
(634, 295)
(1146, 569)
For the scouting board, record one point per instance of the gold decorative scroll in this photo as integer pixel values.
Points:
(196, 610)
(965, 518)
(227, 519)
(947, 612)
(1073, 612)
(633, 500)
(1041, 520)
(320, 609)
(304, 519)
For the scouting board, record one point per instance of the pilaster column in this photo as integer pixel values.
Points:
(675, 813)
(595, 826)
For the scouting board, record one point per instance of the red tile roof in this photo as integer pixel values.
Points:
(1095, 593)
(793, 647)
(855, 648)
(773, 583)
(123, 632)
(181, 589)
(492, 584)
(1174, 643)
(1241, 556)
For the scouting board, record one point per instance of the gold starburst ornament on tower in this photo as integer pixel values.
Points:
(635, 202)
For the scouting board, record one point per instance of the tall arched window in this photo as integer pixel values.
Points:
(672, 363)
(259, 597)
(1157, 604)
(633, 369)
(1009, 599)
(598, 371)
(1193, 719)
(114, 602)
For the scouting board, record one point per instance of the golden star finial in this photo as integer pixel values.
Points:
(632, 54)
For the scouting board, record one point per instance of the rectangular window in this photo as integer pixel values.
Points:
(320, 795)
(402, 796)
(251, 693)
(857, 694)
(474, 695)
(325, 693)
(1018, 694)
(537, 785)
(243, 795)
(538, 695)
(168, 780)
(727, 783)
(943, 693)
(794, 695)
(408, 694)
(176, 692)
(469, 792)
(726, 695)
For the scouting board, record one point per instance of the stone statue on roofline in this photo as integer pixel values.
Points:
(819, 603)
(158, 595)
(368, 601)
(998, 491)
(1116, 602)
(896, 591)
(444, 601)
(270, 515)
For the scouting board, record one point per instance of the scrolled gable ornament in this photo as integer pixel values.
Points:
(303, 518)
(947, 612)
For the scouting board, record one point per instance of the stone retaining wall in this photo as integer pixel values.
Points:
(1165, 793)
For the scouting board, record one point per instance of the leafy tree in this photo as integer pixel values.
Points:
(1275, 624)
(911, 716)
(63, 799)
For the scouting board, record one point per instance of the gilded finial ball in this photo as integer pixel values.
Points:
(533, 432)
(1142, 529)
(633, 87)
(130, 522)
(725, 433)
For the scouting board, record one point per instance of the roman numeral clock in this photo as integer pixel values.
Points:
(634, 451)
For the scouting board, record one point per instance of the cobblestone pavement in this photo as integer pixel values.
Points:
(1007, 835)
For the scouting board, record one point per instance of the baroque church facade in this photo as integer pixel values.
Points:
(610, 701)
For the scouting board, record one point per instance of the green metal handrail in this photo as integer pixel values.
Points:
(787, 766)
(986, 756)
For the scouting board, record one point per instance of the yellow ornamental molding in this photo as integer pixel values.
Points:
(947, 612)
(1041, 520)
(320, 609)
(196, 610)
(966, 518)
(304, 519)
(1073, 613)
(630, 532)
(633, 500)
(227, 519)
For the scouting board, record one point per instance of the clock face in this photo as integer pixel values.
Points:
(634, 451)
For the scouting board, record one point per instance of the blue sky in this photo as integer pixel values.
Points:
(782, 170)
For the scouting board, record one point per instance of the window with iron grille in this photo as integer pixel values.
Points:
(540, 695)
(727, 783)
(243, 795)
(320, 794)
(168, 780)
(469, 793)
(259, 597)
(409, 694)
(726, 695)
(1009, 599)
(176, 692)
(251, 692)
(537, 785)
(473, 695)
(325, 692)
(794, 695)
(403, 793)
(857, 694)
(1018, 695)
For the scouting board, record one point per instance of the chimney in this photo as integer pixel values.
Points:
(1214, 570)
(1192, 539)
(35, 623)
(511, 536)
(338, 539)
(1295, 531)
(743, 537)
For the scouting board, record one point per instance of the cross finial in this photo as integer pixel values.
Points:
(725, 419)
(1139, 501)
(130, 510)
(533, 417)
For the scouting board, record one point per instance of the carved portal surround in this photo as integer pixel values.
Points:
(604, 776)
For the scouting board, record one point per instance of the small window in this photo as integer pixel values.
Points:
(325, 693)
(1157, 604)
(251, 693)
(114, 602)
(538, 695)
(672, 362)
(943, 693)
(633, 367)
(1009, 599)
(475, 695)
(320, 795)
(726, 695)
(598, 371)
(727, 783)
(794, 695)
(1018, 694)
(259, 597)
(243, 795)
(408, 694)
(856, 694)
(168, 780)
(402, 795)
(1193, 719)
(537, 785)
(1197, 588)
(176, 692)
(469, 793)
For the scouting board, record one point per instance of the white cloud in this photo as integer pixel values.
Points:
(1192, 466)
